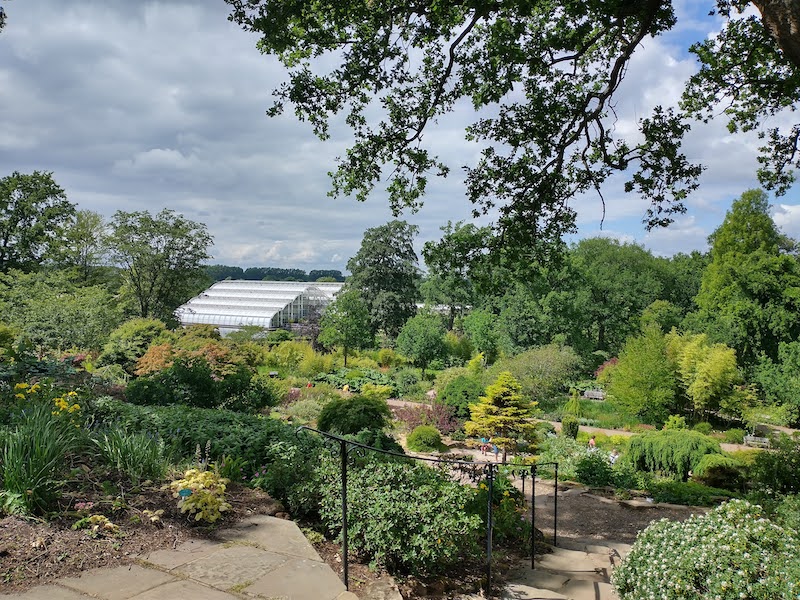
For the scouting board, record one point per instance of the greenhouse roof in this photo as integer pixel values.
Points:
(232, 304)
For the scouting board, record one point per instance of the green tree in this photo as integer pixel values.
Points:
(661, 313)
(542, 372)
(385, 271)
(85, 243)
(542, 79)
(644, 380)
(450, 262)
(613, 283)
(422, 339)
(54, 314)
(162, 258)
(345, 323)
(502, 414)
(130, 341)
(750, 293)
(34, 213)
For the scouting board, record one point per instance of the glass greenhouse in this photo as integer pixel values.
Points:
(232, 304)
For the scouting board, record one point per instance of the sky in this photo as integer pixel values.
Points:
(145, 105)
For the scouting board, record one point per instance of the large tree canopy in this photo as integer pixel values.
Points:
(542, 76)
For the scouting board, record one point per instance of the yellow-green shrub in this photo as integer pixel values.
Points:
(206, 498)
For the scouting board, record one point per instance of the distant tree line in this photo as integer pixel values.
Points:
(222, 272)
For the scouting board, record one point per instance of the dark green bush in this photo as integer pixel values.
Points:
(570, 426)
(594, 469)
(510, 528)
(424, 438)
(774, 473)
(405, 517)
(670, 451)
(379, 439)
(460, 393)
(406, 381)
(716, 470)
(787, 512)
(735, 436)
(688, 493)
(351, 415)
(703, 427)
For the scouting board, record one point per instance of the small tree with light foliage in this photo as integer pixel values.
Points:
(502, 414)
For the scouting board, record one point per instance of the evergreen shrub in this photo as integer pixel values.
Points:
(570, 426)
(351, 415)
(460, 393)
(670, 451)
(703, 427)
(424, 438)
(719, 471)
(594, 469)
(734, 436)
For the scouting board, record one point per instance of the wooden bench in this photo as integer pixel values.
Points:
(759, 442)
(594, 394)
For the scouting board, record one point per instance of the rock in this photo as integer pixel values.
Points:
(283, 515)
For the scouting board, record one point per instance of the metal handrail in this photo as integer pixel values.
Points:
(346, 446)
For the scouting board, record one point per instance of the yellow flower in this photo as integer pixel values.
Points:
(21, 386)
(20, 396)
(484, 486)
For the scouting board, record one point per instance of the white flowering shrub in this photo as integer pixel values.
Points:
(733, 552)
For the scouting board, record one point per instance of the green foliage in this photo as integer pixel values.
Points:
(775, 472)
(563, 450)
(731, 552)
(422, 339)
(376, 392)
(573, 405)
(542, 372)
(458, 348)
(161, 257)
(129, 342)
(346, 323)
(570, 426)
(672, 451)
(34, 455)
(787, 512)
(202, 494)
(136, 456)
(351, 415)
(716, 470)
(679, 422)
(255, 439)
(34, 213)
(407, 518)
(703, 427)
(644, 381)
(424, 438)
(594, 469)
(734, 436)
(502, 413)
(461, 393)
(384, 271)
(354, 379)
(479, 325)
(387, 358)
(509, 525)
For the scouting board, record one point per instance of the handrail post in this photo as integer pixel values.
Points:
(343, 454)
(533, 514)
(489, 525)
(555, 508)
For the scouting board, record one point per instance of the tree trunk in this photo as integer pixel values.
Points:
(782, 20)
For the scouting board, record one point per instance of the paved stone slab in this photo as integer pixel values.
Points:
(119, 583)
(580, 589)
(48, 592)
(188, 590)
(517, 591)
(347, 596)
(380, 590)
(184, 553)
(299, 579)
(271, 533)
(539, 578)
(236, 566)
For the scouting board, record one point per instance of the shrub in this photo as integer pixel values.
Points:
(570, 426)
(563, 450)
(703, 427)
(719, 471)
(33, 455)
(202, 494)
(407, 518)
(387, 358)
(734, 436)
(732, 552)
(351, 415)
(775, 473)
(460, 393)
(424, 439)
(787, 513)
(677, 422)
(354, 378)
(594, 468)
(376, 392)
(437, 415)
(303, 411)
(689, 493)
(671, 451)
(136, 456)
(407, 382)
(509, 526)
